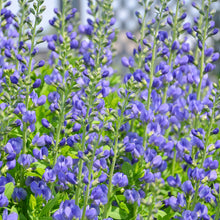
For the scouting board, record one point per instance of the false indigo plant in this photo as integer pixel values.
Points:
(75, 143)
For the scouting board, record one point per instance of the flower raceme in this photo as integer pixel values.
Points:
(76, 143)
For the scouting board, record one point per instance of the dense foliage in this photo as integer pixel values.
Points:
(76, 143)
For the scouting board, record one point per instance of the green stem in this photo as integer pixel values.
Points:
(62, 113)
(153, 63)
(90, 100)
(139, 66)
(151, 208)
(81, 161)
(20, 29)
(60, 123)
(145, 136)
(205, 150)
(208, 133)
(188, 203)
(174, 162)
(142, 36)
(171, 51)
(202, 62)
(25, 130)
(151, 79)
(135, 211)
(199, 27)
(0, 5)
(218, 209)
(106, 208)
(195, 196)
(90, 177)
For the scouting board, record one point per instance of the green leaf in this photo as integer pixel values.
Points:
(124, 207)
(117, 213)
(49, 206)
(46, 218)
(161, 214)
(32, 174)
(121, 198)
(127, 169)
(39, 165)
(106, 147)
(32, 202)
(65, 150)
(40, 171)
(9, 188)
(13, 209)
(22, 217)
(96, 122)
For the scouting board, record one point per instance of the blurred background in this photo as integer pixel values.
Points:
(126, 21)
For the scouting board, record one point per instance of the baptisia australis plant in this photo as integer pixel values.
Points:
(75, 143)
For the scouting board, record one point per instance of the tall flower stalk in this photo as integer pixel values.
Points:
(63, 92)
(38, 11)
(115, 149)
(215, 97)
(172, 52)
(101, 27)
(91, 147)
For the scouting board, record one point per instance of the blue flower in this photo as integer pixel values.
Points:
(120, 179)
(41, 100)
(157, 161)
(70, 177)
(3, 200)
(26, 159)
(162, 35)
(189, 215)
(201, 211)
(19, 194)
(187, 187)
(41, 63)
(37, 83)
(129, 35)
(125, 61)
(148, 177)
(51, 46)
(74, 44)
(132, 196)
(21, 108)
(41, 188)
(169, 21)
(209, 67)
(174, 182)
(187, 27)
(215, 57)
(92, 212)
(164, 108)
(103, 177)
(99, 194)
(12, 216)
(45, 123)
(49, 175)
(14, 145)
(40, 154)
(67, 210)
(209, 52)
(212, 175)
(29, 117)
(172, 202)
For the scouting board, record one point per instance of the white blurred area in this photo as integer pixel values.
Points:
(48, 13)
(124, 13)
